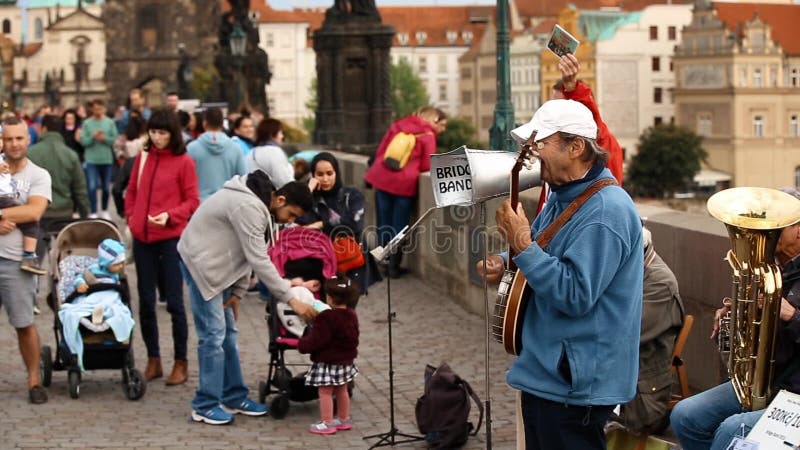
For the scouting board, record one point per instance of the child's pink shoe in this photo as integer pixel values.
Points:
(323, 428)
(342, 425)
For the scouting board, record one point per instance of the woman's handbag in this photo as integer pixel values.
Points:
(348, 253)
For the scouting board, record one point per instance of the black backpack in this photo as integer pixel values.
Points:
(443, 410)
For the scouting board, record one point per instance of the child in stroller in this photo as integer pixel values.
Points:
(302, 255)
(81, 344)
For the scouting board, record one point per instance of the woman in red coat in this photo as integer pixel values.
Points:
(162, 194)
(395, 190)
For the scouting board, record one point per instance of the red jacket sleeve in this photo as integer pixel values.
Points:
(133, 187)
(190, 194)
(427, 144)
(319, 336)
(582, 93)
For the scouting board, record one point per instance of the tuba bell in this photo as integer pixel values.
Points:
(754, 218)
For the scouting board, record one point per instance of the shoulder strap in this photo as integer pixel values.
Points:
(142, 159)
(477, 403)
(544, 238)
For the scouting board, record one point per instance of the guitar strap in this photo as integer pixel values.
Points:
(544, 238)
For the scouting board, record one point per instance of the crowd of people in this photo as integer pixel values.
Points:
(590, 264)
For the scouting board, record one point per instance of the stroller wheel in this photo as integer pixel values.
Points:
(136, 385)
(283, 378)
(74, 379)
(46, 365)
(262, 392)
(279, 407)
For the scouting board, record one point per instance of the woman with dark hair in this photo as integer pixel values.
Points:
(162, 195)
(337, 210)
(244, 133)
(71, 131)
(268, 155)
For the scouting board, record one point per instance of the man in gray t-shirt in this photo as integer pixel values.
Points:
(18, 288)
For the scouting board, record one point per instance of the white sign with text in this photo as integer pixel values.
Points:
(779, 426)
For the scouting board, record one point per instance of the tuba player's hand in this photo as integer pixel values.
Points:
(726, 306)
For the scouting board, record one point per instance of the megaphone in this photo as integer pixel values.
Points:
(467, 176)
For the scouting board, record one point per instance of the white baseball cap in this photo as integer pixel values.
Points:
(567, 116)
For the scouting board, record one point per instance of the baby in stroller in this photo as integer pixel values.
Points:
(90, 283)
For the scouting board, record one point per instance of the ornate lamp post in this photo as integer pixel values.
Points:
(238, 42)
(499, 139)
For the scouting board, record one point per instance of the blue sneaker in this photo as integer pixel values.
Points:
(213, 416)
(246, 407)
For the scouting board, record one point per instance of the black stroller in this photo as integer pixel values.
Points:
(74, 250)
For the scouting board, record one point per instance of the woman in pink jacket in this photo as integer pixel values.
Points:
(395, 190)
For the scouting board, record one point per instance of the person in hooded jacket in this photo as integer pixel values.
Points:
(243, 216)
(162, 194)
(216, 157)
(395, 191)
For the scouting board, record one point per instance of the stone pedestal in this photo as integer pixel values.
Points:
(353, 85)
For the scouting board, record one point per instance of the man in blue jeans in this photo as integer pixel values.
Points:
(227, 236)
(712, 419)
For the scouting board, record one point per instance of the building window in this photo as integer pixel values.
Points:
(797, 177)
(269, 39)
(404, 59)
(466, 97)
(794, 77)
(658, 120)
(704, 124)
(794, 131)
(421, 37)
(488, 96)
(451, 37)
(467, 36)
(488, 72)
(148, 27)
(486, 121)
(655, 63)
(466, 73)
(6, 26)
(653, 33)
(443, 91)
(422, 64)
(757, 80)
(743, 76)
(38, 29)
(658, 95)
(402, 38)
(671, 66)
(672, 33)
(442, 64)
(758, 126)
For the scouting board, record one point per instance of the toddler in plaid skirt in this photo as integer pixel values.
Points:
(333, 345)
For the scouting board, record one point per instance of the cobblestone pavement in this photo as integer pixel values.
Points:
(429, 328)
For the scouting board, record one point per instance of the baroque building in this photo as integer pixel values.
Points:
(737, 85)
(145, 40)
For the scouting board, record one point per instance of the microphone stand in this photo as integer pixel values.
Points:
(383, 254)
(487, 325)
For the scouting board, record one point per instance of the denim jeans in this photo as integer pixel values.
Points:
(221, 378)
(158, 261)
(553, 425)
(98, 175)
(711, 419)
(393, 213)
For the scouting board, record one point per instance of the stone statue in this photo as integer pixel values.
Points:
(347, 9)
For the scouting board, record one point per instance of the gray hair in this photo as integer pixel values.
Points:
(593, 152)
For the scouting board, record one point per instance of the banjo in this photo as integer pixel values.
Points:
(514, 291)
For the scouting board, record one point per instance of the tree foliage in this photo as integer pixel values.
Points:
(668, 159)
(204, 80)
(408, 91)
(459, 132)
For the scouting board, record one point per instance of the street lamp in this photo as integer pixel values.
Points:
(238, 43)
(499, 138)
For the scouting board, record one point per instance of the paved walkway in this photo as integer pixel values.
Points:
(430, 328)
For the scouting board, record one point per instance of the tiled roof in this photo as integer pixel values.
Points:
(550, 8)
(436, 22)
(782, 18)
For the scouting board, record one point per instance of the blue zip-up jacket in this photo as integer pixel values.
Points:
(217, 159)
(580, 338)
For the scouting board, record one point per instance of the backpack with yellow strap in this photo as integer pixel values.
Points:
(399, 150)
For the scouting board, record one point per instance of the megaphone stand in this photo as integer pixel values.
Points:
(486, 324)
(382, 254)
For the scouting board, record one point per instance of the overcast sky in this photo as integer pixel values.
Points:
(287, 4)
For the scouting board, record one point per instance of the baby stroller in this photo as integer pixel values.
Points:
(308, 254)
(75, 249)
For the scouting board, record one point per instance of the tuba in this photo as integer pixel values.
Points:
(754, 218)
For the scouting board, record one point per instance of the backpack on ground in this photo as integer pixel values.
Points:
(443, 410)
(400, 149)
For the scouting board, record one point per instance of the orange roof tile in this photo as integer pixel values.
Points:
(782, 18)
(545, 27)
(435, 22)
